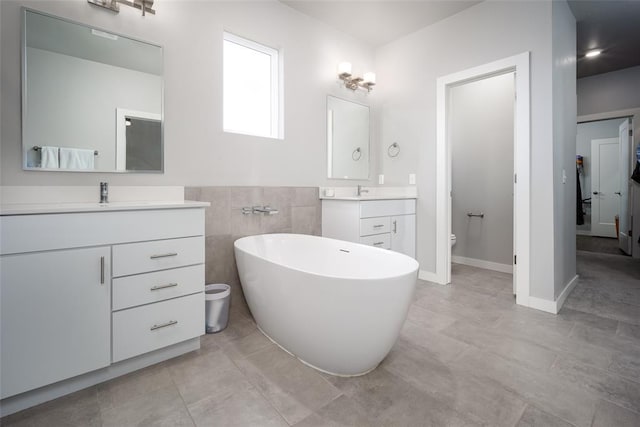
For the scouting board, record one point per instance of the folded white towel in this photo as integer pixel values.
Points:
(76, 158)
(49, 157)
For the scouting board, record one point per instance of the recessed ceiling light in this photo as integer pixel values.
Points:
(593, 53)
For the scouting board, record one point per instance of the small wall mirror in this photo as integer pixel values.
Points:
(347, 139)
(92, 99)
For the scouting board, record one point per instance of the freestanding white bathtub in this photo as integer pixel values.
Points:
(336, 306)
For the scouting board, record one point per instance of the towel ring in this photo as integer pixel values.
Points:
(393, 150)
(357, 153)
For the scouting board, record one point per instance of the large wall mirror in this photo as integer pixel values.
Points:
(347, 139)
(91, 99)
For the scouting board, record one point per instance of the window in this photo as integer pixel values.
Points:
(251, 89)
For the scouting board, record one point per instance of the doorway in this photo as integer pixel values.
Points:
(603, 156)
(481, 133)
(519, 65)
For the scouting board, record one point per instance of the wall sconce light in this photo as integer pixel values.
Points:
(350, 82)
(114, 5)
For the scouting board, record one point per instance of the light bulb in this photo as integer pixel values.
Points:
(344, 68)
(370, 78)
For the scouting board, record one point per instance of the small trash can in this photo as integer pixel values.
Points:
(217, 298)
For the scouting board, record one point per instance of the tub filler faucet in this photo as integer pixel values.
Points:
(267, 210)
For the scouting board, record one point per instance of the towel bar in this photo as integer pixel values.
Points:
(38, 148)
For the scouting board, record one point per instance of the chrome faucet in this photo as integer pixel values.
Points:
(361, 190)
(104, 192)
(267, 210)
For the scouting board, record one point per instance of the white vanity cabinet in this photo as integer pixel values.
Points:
(84, 292)
(388, 224)
(55, 316)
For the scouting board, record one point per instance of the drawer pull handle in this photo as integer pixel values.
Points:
(164, 325)
(102, 270)
(378, 244)
(170, 254)
(168, 285)
(378, 225)
(395, 226)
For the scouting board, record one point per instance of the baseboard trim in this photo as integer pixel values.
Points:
(488, 265)
(429, 277)
(554, 306)
(583, 232)
(565, 292)
(543, 305)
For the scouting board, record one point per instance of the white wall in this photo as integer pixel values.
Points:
(564, 137)
(587, 132)
(410, 66)
(197, 152)
(60, 114)
(481, 126)
(617, 90)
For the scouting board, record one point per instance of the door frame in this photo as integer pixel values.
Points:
(520, 65)
(634, 114)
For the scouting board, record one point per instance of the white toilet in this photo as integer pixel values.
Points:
(453, 240)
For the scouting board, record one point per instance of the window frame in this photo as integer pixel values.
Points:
(276, 93)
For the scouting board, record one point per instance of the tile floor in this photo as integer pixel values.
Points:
(467, 356)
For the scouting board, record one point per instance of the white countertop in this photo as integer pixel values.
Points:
(52, 208)
(369, 193)
(373, 197)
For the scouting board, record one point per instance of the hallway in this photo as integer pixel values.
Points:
(609, 288)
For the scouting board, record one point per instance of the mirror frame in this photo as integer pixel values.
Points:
(329, 159)
(23, 94)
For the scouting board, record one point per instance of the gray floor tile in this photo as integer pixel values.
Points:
(610, 415)
(77, 409)
(629, 330)
(436, 344)
(535, 417)
(391, 401)
(294, 389)
(627, 366)
(122, 390)
(607, 385)
(502, 345)
(161, 406)
(481, 399)
(551, 394)
(245, 408)
(206, 376)
(342, 411)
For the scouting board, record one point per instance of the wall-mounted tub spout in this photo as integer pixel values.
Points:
(267, 210)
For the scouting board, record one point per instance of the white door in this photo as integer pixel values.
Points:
(55, 318)
(403, 234)
(605, 182)
(625, 146)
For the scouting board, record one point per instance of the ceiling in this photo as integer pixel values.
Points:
(610, 25)
(382, 21)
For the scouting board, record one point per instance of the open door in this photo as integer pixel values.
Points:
(625, 146)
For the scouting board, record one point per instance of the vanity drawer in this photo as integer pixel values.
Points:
(373, 208)
(146, 288)
(134, 258)
(369, 226)
(378, 240)
(150, 327)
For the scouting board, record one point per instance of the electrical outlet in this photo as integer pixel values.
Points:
(412, 179)
(380, 179)
(564, 176)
